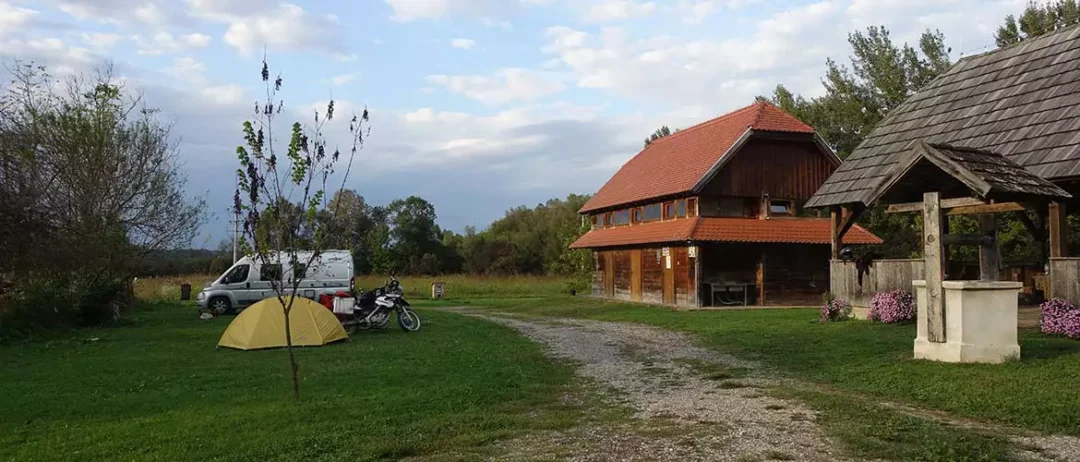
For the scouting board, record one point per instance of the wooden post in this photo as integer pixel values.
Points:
(1058, 231)
(834, 223)
(698, 302)
(761, 279)
(932, 253)
(989, 256)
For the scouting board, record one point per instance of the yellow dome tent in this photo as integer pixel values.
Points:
(262, 325)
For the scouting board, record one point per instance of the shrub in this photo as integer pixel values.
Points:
(1060, 317)
(835, 310)
(892, 307)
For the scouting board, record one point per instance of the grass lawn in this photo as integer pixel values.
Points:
(159, 390)
(873, 360)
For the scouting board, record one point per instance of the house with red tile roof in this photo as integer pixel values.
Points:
(712, 215)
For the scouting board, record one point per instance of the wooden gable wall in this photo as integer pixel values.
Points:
(780, 168)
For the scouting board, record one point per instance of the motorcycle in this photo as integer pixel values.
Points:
(373, 309)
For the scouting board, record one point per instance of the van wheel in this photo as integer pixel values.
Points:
(220, 305)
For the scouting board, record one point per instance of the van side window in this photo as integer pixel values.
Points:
(270, 272)
(238, 274)
(299, 271)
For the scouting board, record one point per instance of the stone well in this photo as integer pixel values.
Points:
(980, 322)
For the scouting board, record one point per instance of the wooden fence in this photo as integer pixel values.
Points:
(1065, 279)
(884, 275)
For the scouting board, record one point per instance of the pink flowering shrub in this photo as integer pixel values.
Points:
(835, 310)
(894, 306)
(1060, 317)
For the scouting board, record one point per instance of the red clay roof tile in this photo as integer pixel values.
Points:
(675, 163)
(775, 230)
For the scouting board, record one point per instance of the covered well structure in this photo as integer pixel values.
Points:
(1010, 119)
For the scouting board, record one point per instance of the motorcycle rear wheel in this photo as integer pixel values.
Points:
(408, 320)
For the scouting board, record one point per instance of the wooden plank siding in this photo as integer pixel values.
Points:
(622, 271)
(884, 275)
(1065, 279)
(753, 171)
(649, 276)
(652, 276)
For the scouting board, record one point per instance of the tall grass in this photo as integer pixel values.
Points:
(458, 286)
(168, 288)
(461, 286)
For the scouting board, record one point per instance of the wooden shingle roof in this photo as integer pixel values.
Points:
(1022, 102)
(962, 172)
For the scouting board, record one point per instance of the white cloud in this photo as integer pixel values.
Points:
(188, 69)
(410, 10)
(342, 79)
(155, 13)
(509, 84)
(14, 17)
(611, 10)
(463, 43)
(225, 94)
(284, 26)
(101, 40)
(695, 11)
(497, 24)
(167, 43)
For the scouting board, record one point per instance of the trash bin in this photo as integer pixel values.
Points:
(185, 291)
(438, 289)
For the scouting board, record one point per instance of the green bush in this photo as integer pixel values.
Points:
(51, 302)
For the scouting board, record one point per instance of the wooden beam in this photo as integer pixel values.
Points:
(1058, 230)
(835, 225)
(989, 256)
(945, 204)
(932, 253)
(1036, 231)
(967, 239)
(1000, 207)
(760, 279)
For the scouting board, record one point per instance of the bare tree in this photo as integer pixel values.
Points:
(281, 192)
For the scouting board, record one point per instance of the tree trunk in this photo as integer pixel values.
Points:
(293, 367)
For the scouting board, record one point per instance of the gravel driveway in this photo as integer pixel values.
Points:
(709, 407)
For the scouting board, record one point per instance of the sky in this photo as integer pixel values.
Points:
(478, 106)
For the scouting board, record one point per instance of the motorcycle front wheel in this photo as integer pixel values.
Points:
(408, 320)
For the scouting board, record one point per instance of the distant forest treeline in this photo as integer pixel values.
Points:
(403, 238)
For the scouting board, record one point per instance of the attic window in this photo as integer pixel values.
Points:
(680, 208)
(781, 208)
(622, 217)
(669, 210)
(691, 207)
(639, 215)
(595, 220)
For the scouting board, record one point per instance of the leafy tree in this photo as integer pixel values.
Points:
(880, 77)
(659, 133)
(1038, 19)
(415, 234)
(90, 185)
(858, 96)
(281, 192)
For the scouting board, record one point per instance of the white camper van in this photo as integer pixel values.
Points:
(248, 281)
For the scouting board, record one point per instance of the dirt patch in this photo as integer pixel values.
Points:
(687, 403)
